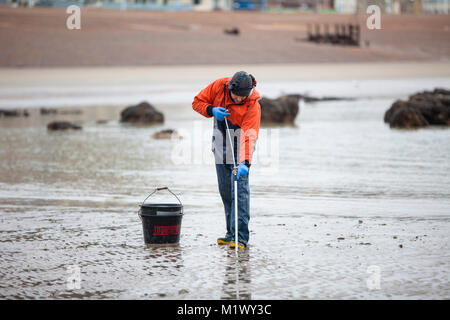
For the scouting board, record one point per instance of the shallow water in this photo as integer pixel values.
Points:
(332, 196)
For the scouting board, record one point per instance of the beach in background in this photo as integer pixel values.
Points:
(121, 86)
(38, 37)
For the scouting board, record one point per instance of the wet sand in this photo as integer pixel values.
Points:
(121, 86)
(173, 75)
(350, 201)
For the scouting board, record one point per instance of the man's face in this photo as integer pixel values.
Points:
(237, 99)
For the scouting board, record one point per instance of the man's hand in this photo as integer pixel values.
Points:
(220, 113)
(242, 170)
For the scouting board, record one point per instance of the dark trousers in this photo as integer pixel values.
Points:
(225, 179)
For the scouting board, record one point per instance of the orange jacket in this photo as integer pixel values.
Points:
(246, 116)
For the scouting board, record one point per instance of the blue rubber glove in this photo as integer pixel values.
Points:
(242, 170)
(220, 113)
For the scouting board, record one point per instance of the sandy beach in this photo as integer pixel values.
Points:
(38, 37)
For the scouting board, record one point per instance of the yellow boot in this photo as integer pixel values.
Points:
(223, 241)
(240, 245)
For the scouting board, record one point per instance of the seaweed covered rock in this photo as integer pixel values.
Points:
(281, 110)
(13, 113)
(421, 110)
(48, 111)
(143, 113)
(62, 125)
(166, 134)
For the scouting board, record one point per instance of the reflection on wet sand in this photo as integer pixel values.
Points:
(237, 276)
(164, 260)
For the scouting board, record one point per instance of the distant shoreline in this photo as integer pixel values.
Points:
(171, 75)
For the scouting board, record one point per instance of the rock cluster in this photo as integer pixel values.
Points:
(421, 110)
(14, 113)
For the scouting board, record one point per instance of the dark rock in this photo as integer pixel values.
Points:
(421, 110)
(284, 109)
(167, 134)
(233, 31)
(14, 113)
(407, 117)
(309, 99)
(62, 125)
(74, 111)
(9, 113)
(141, 113)
(47, 111)
(101, 121)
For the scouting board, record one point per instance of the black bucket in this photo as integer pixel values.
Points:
(161, 222)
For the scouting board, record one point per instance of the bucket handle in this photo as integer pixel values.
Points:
(159, 189)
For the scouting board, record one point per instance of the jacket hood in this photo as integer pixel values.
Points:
(255, 95)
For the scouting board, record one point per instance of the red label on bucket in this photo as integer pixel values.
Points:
(166, 230)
